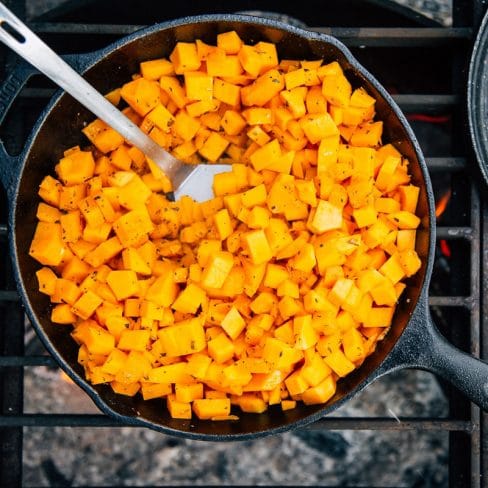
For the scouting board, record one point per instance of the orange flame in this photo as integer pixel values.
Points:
(65, 377)
(441, 205)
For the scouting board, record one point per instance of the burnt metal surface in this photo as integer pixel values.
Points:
(13, 358)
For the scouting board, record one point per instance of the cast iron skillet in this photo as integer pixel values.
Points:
(412, 342)
(478, 97)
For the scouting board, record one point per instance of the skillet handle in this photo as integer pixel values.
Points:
(9, 91)
(422, 346)
(468, 374)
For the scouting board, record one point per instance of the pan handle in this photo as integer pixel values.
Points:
(467, 373)
(422, 346)
(9, 91)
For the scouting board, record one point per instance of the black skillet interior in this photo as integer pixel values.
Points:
(59, 128)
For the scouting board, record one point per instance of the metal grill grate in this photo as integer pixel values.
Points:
(465, 428)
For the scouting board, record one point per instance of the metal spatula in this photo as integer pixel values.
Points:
(186, 179)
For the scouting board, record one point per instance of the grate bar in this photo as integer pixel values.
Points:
(396, 37)
(484, 343)
(3, 230)
(455, 233)
(378, 37)
(402, 424)
(466, 302)
(79, 28)
(30, 93)
(331, 423)
(430, 103)
(446, 164)
(16, 361)
(475, 338)
(9, 296)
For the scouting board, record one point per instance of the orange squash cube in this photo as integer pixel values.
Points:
(315, 370)
(188, 393)
(251, 60)
(161, 117)
(213, 147)
(233, 323)
(142, 95)
(365, 216)
(379, 317)
(217, 269)
(222, 65)
(198, 364)
(47, 246)
(172, 88)
(336, 89)
(325, 217)
(86, 305)
(199, 86)
(134, 340)
(230, 42)
(189, 300)
(339, 363)
(304, 333)
(320, 393)
(384, 293)
(265, 155)
(114, 362)
(47, 281)
(155, 68)
(254, 196)
(221, 349)
(123, 283)
(353, 344)
(76, 168)
(178, 410)
(62, 314)
(257, 246)
(46, 213)
(223, 224)
(295, 384)
(404, 219)
(251, 403)
(186, 337)
(155, 390)
(226, 92)
(409, 261)
(128, 389)
(185, 57)
(208, 408)
(116, 324)
(50, 190)
(263, 89)
(163, 290)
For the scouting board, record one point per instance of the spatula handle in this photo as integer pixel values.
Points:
(16, 35)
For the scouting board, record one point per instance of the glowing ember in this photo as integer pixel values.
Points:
(65, 377)
(431, 119)
(441, 205)
(445, 249)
